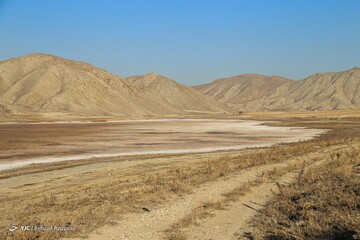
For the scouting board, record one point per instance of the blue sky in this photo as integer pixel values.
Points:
(190, 41)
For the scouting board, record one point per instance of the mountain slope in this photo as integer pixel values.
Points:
(250, 92)
(175, 94)
(45, 83)
(333, 90)
(236, 91)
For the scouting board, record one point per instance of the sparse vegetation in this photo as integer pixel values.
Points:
(89, 206)
(93, 203)
(323, 204)
(205, 210)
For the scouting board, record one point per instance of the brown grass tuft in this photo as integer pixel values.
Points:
(325, 204)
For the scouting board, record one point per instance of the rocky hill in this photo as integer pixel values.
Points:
(175, 94)
(45, 83)
(239, 90)
(321, 91)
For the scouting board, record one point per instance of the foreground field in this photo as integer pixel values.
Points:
(203, 195)
(323, 202)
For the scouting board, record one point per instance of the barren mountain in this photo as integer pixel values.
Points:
(238, 90)
(45, 83)
(175, 94)
(333, 90)
(338, 90)
(4, 109)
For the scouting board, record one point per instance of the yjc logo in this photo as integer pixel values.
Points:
(25, 228)
(12, 228)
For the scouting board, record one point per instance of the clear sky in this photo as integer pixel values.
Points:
(190, 41)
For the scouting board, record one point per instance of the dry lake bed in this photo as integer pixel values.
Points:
(26, 143)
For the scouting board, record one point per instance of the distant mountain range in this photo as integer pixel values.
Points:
(175, 94)
(238, 91)
(41, 83)
(250, 92)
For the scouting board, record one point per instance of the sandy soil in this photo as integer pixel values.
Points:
(227, 223)
(77, 184)
(27, 143)
(152, 225)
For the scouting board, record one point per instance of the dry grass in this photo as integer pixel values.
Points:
(91, 205)
(323, 204)
(197, 215)
(53, 166)
(270, 175)
(200, 213)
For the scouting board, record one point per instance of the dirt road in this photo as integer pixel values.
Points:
(227, 223)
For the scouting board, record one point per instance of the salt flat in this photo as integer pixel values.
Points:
(26, 143)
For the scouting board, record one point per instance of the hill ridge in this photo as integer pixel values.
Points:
(174, 93)
(319, 91)
(42, 83)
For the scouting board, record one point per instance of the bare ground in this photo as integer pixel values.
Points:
(176, 197)
(152, 225)
(27, 143)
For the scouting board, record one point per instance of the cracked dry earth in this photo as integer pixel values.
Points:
(228, 223)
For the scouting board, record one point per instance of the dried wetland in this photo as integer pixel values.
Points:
(189, 195)
(26, 143)
(179, 120)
